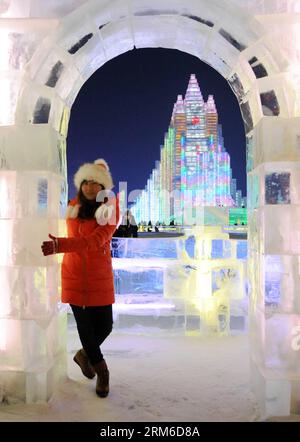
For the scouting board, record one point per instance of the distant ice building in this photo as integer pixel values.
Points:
(194, 167)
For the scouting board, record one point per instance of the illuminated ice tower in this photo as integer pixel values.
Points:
(179, 183)
(206, 163)
(196, 138)
(211, 117)
(194, 167)
(195, 141)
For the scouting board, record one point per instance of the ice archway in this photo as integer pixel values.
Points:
(48, 50)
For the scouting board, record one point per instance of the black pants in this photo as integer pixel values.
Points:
(94, 324)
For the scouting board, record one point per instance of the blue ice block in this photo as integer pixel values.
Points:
(220, 249)
(138, 281)
(242, 249)
(146, 248)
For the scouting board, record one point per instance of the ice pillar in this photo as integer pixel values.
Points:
(274, 232)
(32, 201)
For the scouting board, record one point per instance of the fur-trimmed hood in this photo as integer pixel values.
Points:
(97, 171)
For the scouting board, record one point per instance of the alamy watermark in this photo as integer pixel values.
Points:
(187, 205)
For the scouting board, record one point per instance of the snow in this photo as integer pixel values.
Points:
(153, 379)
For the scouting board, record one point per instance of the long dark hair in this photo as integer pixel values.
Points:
(87, 207)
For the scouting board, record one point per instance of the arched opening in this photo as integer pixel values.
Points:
(129, 132)
(139, 89)
(239, 45)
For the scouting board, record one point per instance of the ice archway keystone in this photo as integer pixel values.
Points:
(48, 50)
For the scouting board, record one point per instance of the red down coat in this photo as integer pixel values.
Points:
(87, 275)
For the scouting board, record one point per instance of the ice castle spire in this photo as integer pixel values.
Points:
(193, 92)
(212, 123)
(210, 105)
(179, 106)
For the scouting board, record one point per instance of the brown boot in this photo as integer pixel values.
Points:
(102, 386)
(82, 360)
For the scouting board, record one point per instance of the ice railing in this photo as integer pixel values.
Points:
(194, 283)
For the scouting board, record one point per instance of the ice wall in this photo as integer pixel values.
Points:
(48, 50)
(194, 284)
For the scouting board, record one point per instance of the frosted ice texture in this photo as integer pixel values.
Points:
(274, 351)
(193, 289)
(139, 281)
(280, 142)
(144, 248)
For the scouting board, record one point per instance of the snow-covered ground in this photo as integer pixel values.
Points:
(177, 379)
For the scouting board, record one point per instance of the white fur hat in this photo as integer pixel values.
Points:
(97, 171)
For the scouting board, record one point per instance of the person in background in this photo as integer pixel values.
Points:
(87, 275)
(128, 227)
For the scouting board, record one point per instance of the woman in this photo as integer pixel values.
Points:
(87, 275)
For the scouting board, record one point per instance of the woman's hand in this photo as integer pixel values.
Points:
(50, 247)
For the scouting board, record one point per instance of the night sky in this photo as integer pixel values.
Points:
(123, 111)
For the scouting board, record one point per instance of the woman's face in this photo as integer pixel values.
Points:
(90, 189)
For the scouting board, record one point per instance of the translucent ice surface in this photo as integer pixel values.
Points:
(184, 284)
(144, 248)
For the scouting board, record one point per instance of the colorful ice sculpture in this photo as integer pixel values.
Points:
(197, 278)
